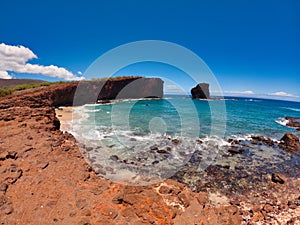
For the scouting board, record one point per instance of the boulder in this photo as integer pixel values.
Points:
(290, 142)
(293, 122)
(201, 91)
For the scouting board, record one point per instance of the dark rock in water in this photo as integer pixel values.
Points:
(201, 91)
(235, 150)
(155, 162)
(114, 157)
(162, 151)
(154, 147)
(262, 140)
(277, 179)
(293, 122)
(290, 142)
(175, 141)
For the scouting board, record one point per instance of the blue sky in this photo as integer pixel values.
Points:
(250, 46)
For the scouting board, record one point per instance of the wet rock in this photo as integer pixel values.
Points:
(293, 122)
(155, 162)
(114, 158)
(235, 150)
(290, 142)
(163, 151)
(262, 140)
(276, 178)
(175, 141)
(154, 147)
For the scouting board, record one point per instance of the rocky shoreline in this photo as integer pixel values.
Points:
(44, 179)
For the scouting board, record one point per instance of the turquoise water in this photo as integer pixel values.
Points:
(182, 116)
(155, 138)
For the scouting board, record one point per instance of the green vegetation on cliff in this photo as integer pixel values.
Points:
(9, 90)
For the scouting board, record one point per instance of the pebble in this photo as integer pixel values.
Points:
(276, 178)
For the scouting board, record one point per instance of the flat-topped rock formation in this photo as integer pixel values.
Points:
(201, 91)
(118, 88)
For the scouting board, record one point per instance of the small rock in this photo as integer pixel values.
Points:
(277, 179)
(114, 158)
(162, 151)
(165, 190)
(3, 187)
(235, 202)
(235, 150)
(268, 208)
(175, 141)
(154, 147)
(155, 162)
(257, 216)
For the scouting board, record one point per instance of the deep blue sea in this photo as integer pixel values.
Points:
(128, 131)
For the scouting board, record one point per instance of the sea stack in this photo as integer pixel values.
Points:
(201, 91)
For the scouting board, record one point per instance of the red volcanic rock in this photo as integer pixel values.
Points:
(45, 179)
(290, 142)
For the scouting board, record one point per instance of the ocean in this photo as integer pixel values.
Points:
(145, 140)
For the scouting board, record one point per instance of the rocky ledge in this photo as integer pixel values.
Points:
(44, 179)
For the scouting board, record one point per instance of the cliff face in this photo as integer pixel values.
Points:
(201, 91)
(44, 179)
(136, 87)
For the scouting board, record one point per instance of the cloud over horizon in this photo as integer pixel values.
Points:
(283, 94)
(15, 59)
(249, 92)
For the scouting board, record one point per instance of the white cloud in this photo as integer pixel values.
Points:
(5, 75)
(240, 92)
(79, 72)
(281, 93)
(15, 58)
(248, 92)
